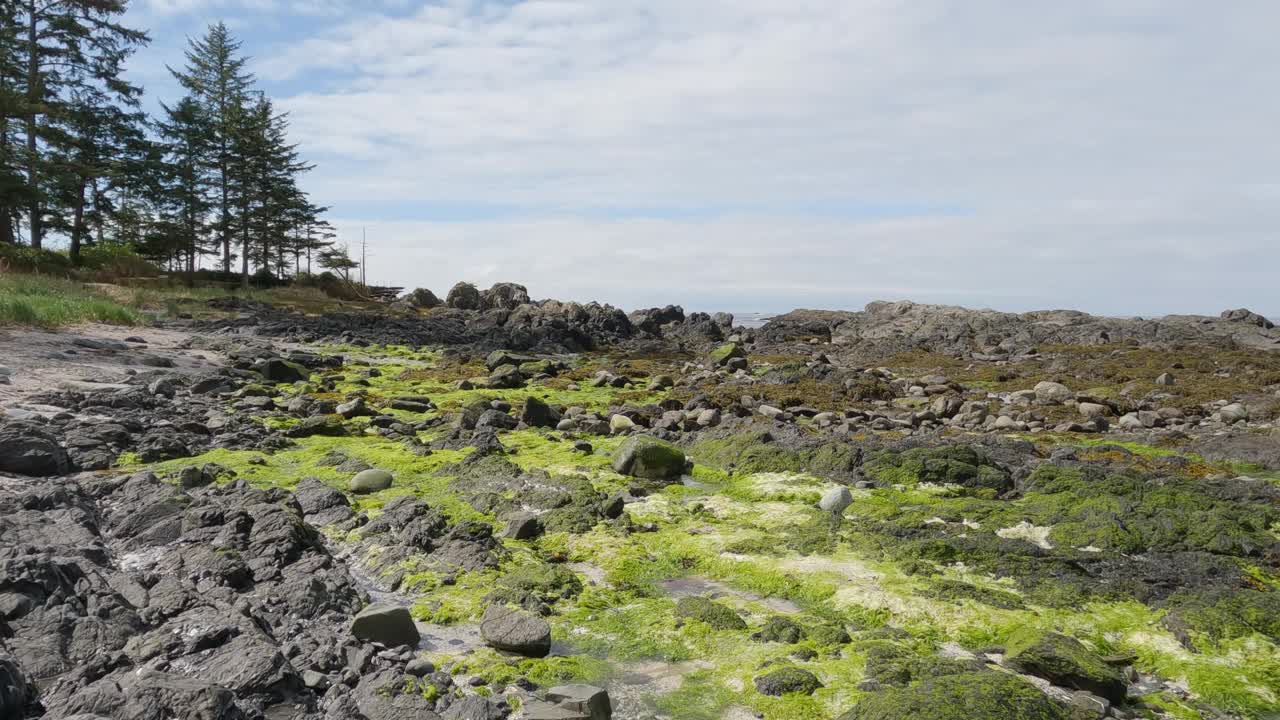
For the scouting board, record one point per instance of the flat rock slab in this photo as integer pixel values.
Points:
(515, 631)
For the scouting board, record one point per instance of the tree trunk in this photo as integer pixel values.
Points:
(33, 97)
(244, 248)
(7, 234)
(77, 226)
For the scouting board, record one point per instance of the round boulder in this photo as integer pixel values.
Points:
(370, 481)
(516, 631)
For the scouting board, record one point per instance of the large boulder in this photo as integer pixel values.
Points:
(965, 696)
(517, 631)
(504, 296)
(464, 296)
(27, 448)
(386, 624)
(649, 459)
(1244, 315)
(423, 299)
(1064, 661)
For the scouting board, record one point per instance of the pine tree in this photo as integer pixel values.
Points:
(67, 48)
(13, 194)
(215, 75)
(185, 187)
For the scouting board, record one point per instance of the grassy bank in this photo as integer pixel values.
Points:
(42, 301)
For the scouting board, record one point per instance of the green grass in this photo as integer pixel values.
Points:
(39, 301)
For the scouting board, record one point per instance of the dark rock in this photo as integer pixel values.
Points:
(388, 625)
(515, 631)
(29, 449)
(537, 413)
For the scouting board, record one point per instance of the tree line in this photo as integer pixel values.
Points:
(212, 175)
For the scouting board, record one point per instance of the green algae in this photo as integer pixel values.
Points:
(917, 563)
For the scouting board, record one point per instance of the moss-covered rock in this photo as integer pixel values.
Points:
(894, 665)
(967, 696)
(725, 353)
(760, 452)
(1063, 661)
(536, 587)
(1222, 614)
(649, 459)
(961, 465)
(787, 680)
(780, 629)
(712, 613)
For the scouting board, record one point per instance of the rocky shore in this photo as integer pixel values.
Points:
(487, 507)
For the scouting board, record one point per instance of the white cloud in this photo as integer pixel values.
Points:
(1115, 156)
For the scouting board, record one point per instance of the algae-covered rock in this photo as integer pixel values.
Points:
(780, 629)
(1063, 661)
(370, 481)
(760, 452)
(968, 696)
(536, 587)
(712, 613)
(723, 354)
(647, 458)
(787, 680)
(894, 665)
(962, 465)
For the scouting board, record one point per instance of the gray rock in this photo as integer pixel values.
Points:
(590, 701)
(504, 296)
(523, 526)
(1165, 379)
(463, 296)
(1233, 413)
(836, 500)
(419, 667)
(1053, 393)
(1092, 410)
(27, 448)
(371, 481)
(621, 424)
(515, 631)
(386, 624)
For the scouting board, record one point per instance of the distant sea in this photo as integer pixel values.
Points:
(751, 319)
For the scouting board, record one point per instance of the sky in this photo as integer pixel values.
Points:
(1115, 156)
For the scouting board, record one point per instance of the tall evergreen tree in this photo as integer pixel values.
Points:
(66, 48)
(13, 195)
(185, 198)
(215, 75)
